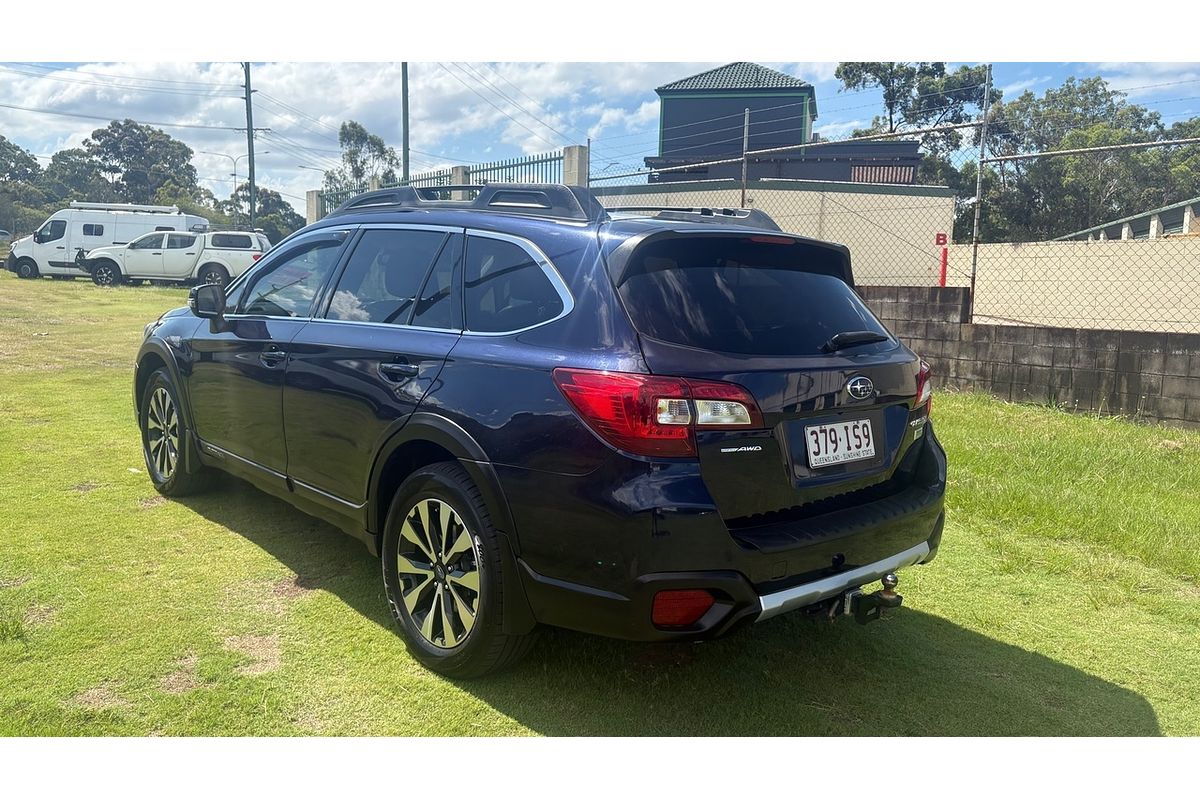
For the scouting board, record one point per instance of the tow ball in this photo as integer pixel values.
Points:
(868, 607)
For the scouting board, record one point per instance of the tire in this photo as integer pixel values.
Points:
(214, 273)
(106, 273)
(159, 412)
(27, 268)
(423, 600)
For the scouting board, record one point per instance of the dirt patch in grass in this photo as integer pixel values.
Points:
(1171, 445)
(183, 679)
(263, 651)
(12, 583)
(40, 615)
(84, 488)
(99, 698)
(292, 588)
(151, 502)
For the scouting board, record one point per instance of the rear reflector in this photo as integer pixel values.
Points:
(678, 608)
(257, 256)
(653, 415)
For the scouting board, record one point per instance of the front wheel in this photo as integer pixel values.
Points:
(165, 437)
(27, 268)
(442, 571)
(106, 273)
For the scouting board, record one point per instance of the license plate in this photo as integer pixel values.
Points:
(839, 442)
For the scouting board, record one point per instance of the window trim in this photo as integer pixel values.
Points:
(540, 258)
(323, 309)
(249, 277)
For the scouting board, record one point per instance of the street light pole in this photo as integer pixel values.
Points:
(233, 161)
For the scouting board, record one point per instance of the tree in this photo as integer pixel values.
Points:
(74, 175)
(273, 214)
(141, 158)
(920, 95)
(1041, 198)
(17, 163)
(365, 156)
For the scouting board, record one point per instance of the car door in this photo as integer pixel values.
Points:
(50, 246)
(144, 256)
(237, 364)
(358, 371)
(179, 256)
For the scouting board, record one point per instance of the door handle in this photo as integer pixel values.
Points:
(272, 357)
(60, 247)
(159, 253)
(398, 371)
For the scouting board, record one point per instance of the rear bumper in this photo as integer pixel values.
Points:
(599, 572)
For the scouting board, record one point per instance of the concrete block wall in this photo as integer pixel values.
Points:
(1135, 373)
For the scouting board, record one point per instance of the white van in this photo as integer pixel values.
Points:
(67, 235)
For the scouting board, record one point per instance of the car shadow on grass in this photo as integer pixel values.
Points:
(910, 674)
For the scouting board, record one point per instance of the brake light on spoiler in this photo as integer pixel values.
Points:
(655, 415)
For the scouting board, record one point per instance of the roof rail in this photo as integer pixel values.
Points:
(552, 200)
(125, 207)
(747, 217)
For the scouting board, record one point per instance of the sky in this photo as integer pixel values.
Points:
(460, 112)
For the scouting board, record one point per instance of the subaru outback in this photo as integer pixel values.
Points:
(652, 424)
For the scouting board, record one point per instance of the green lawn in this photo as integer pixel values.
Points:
(1065, 599)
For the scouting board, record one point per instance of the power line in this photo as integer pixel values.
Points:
(493, 105)
(131, 77)
(116, 85)
(467, 68)
(112, 119)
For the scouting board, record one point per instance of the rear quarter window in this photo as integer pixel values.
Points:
(231, 241)
(735, 295)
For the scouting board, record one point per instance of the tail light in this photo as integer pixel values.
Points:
(925, 388)
(653, 415)
(256, 256)
(678, 608)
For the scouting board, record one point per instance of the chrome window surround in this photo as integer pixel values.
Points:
(532, 250)
(548, 269)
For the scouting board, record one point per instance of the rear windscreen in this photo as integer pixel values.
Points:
(739, 295)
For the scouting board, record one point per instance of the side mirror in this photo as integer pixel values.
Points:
(37, 237)
(207, 301)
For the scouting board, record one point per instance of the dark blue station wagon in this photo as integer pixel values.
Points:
(653, 424)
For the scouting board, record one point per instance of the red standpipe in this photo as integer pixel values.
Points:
(945, 264)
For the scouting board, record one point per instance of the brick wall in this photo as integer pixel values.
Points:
(1152, 375)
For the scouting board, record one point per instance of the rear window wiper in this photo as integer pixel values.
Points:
(840, 341)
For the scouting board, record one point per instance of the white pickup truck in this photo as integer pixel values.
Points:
(215, 257)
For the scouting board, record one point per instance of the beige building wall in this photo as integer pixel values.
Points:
(891, 230)
(1134, 284)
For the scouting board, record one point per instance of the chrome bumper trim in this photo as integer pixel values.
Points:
(808, 593)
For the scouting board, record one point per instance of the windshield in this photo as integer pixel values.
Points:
(736, 295)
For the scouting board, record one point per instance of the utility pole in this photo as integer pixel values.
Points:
(983, 128)
(404, 114)
(250, 140)
(745, 147)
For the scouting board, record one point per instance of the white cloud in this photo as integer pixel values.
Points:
(840, 130)
(1017, 87)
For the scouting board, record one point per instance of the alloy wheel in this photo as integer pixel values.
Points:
(214, 277)
(438, 565)
(162, 433)
(104, 276)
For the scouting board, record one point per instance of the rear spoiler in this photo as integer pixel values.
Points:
(826, 257)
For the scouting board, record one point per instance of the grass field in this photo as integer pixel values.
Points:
(1065, 599)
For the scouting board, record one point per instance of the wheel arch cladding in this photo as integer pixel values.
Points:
(428, 439)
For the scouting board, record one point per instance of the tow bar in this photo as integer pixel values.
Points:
(867, 607)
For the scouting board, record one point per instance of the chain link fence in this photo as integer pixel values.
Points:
(1085, 265)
